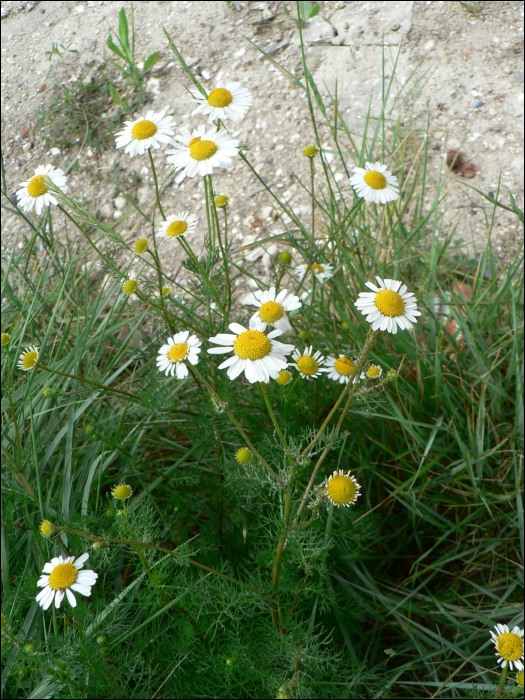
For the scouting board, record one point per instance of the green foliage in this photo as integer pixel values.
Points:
(391, 597)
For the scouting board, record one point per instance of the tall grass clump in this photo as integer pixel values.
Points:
(334, 513)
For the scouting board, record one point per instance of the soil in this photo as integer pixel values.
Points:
(466, 81)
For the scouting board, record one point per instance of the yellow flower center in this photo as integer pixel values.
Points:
(176, 228)
(5, 338)
(220, 97)
(373, 373)
(284, 377)
(307, 365)
(166, 291)
(510, 646)
(341, 489)
(317, 268)
(141, 245)
(63, 576)
(389, 303)
(130, 286)
(243, 455)
(46, 528)
(143, 130)
(377, 181)
(221, 200)
(519, 678)
(310, 151)
(202, 150)
(271, 311)
(178, 352)
(29, 359)
(252, 345)
(122, 491)
(36, 187)
(344, 366)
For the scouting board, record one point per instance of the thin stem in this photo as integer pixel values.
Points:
(312, 171)
(15, 422)
(501, 683)
(95, 668)
(264, 395)
(161, 296)
(92, 382)
(156, 183)
(222, 248)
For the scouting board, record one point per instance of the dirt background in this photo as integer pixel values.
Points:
(467, 81)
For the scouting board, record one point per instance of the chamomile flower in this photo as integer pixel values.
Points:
(243, 455)
(141, 246)
(509, 646)
(180, 224)
(178, 350)
(230, 101)
(321, 271)
(519, 679)
(342, 488)
(388, 306)
(256, 354)
(6, 339)
(130, 286)
(60, 577)
(121, 492)
(197, 153)
(145, 132)
(46, 528)
(375, 183)
(222, 200)
(34, 193)
(272, 307)
(340, 369)
(28, 358)
(308, 362)
(373, 372)
(284, 377)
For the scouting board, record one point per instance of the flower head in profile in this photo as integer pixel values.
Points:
(222, 200)
(321, 271)
(141, 246)
(60, 577)
(199, 152)
(145, 132)
(33, 193)
(342, 488)
(375, 183)
(284, 377)
(273, 307)
(181, 224)
(230, 101)
(340, 369)
(122, 492)
(28, 359)
(389, 306)
(130, 286)
(6, 339)
(178, 350)
(308, 363)
(509, 646)
(255, 353)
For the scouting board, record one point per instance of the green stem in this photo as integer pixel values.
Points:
(96, 669)
(15, 422)
(312, 171)
(35, 453)
(264, 395)
(55, 623)
(223, 248)
(156, 183)
(501, 683)
(161, 296)
(203, 272)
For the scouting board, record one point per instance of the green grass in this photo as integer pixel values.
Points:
(428, 559)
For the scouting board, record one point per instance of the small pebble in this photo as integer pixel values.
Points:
(477, 103)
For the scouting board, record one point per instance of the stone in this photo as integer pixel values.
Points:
(145, 195)
(119, 202)
(105, 211)
(266, 212)
(359, 25)
(318, 31)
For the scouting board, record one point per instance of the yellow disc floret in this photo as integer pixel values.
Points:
(130, 286)
(202, 150)
(63, 576)
(307, 365)
(122, 491)
(141, 245)
(166, 291)
(344, 365)
(390, 303)
(519, 679)
(46, 528)
(341, 489)
(144, 130)
(30, 359)
(375, 180)
(317, 268)
(510, 646)
(6, 338)
(178, 352)
(176, 228)
(220, 97)
(373, 372)
(243, 455)
(36, 187)
(221, 201)
(271, 311)
(252, 345)
(284, 377)
(310, 151)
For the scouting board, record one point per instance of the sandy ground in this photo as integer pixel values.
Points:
(464, 73)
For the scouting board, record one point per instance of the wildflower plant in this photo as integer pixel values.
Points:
(252, 534)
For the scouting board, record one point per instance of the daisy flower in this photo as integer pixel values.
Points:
(388, 306)
(34, 193)
(46, 528)
(201, 151)
(284, 377)
(243, 455)
(256, 354)
(6, 338)
(373, 372)
(509, 646)
(375, 183)
(308, 364)
(122, 491)
(272, 307)
(177, 225)
(130, 286)
(340, 369)
(321, 272)
(222, 200)
(63, 576)
(145, 132)
(182, 348)
(342, 488)
(141, 246)
(28, 358)
(230, 101)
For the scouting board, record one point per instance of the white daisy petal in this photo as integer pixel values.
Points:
(145, 132)
(386, 308)
(176, 352)
(202, 152)
(181, 224)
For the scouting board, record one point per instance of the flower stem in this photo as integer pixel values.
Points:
(312, 171)
(264, 395)
(96, 669)
(156, 183)
(501, 683)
